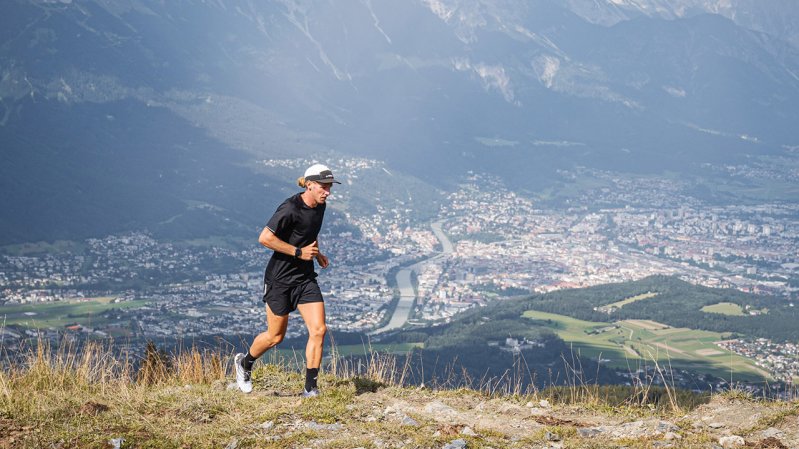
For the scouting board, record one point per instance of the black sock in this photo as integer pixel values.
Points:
(310, 378)
(247, 361)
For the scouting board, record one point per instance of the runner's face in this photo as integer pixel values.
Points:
(320, 191)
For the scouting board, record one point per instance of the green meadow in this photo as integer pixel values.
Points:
(282, 355)
(391, 348)
(38, 248)
(626, 344)
(632, 299)
(62, 313)
(724, 308)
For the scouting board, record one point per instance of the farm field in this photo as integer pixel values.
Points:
(625, 344)
(62, 313)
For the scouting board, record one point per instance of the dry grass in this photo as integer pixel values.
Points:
(67, 397)
(70, 397)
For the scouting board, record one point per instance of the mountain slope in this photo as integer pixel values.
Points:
(434, 88)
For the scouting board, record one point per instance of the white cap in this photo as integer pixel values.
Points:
(319, 173)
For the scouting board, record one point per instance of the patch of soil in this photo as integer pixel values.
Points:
(450, 429)
(93, 408)
(768, 443)
(12, 434)
(552, 421)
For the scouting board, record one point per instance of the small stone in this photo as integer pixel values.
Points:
(408, 421)
(316, 426)
(551, 436)
(665, 426)
(456, 444)
(233, 444)
(771, 432)
(468, 432)
(543, 403)
(529, 404)
(538, 411)
(116, 443)
(731, 441)
(634, 429)
(439, 409)
(588, 432)
(715, 425)
(672, 436)
(267, 425)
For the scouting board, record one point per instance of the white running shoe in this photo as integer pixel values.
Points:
(310, 394)
(243, 377)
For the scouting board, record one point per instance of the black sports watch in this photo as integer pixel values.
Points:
(297, 252)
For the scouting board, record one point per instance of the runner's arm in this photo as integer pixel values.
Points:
(271, 241)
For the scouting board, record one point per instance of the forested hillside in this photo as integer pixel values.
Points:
(475, 343)
(675, 302)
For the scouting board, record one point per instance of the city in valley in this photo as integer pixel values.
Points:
(483, 243)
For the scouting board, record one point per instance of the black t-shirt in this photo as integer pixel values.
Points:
(296, 224)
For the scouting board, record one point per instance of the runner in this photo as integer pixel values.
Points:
(290, 279)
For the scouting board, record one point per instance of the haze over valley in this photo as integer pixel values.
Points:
(496, 157)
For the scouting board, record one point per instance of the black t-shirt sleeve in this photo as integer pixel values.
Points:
(282, 220)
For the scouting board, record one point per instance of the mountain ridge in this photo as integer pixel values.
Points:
(284, 79)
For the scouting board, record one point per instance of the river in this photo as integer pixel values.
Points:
(407, 294)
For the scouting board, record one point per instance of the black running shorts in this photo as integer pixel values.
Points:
(283, 300)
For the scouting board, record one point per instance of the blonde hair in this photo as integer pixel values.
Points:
(301, 182)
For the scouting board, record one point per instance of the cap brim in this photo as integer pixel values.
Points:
(328, 181)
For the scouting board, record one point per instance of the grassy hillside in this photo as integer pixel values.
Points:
(92, 399)
(670, 301)
(614, 329)
(631, 343)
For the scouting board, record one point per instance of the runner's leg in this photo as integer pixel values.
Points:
(313, 313)
(276, 330)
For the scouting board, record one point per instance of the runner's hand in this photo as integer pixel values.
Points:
(323, 260)
(310, 252)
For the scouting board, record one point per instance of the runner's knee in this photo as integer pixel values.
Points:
(317, 331)
(277, 338)
(274, 339)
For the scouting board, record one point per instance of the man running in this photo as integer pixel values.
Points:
(290, 279)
